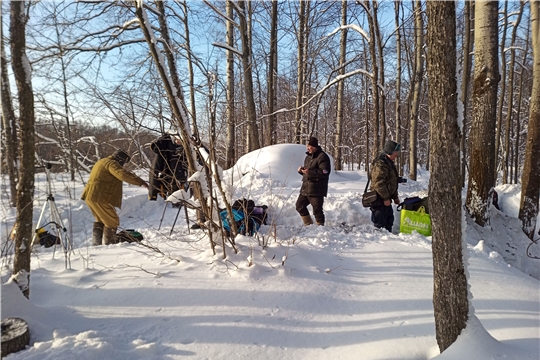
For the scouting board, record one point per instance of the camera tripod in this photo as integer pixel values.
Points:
(54, 216)
(180, 203)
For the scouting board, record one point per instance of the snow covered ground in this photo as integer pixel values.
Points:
(342, 291)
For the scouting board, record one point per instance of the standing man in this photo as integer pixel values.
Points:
(104, 192)
(384, 180)
(169, 167)
(169, 172)
(315, 174)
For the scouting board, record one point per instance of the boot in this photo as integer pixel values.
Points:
(109, 236)
(307, 220)
(97, 234)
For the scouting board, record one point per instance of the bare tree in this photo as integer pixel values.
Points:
(190, 60)
(247, 57)
(416, 93)
(25, 190)
(374, 80)
(272, 75)
(9, 126)
(450, 294)
(484, 97)
(175, 101)
(528, 209)
(465, 83)
(231, 123)
(380, 58)
(302, 38)
(398, 83)
(523, 76)
(341, 89)
(507, 173)
(503, 88)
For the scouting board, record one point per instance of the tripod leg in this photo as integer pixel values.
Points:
(187, 220)
(176, 218)
(64, 238)
(162, 215)
(38, 223)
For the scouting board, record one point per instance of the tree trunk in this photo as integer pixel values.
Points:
(399, 164)
(507, 173)
(301, 37)
(72, 161)
(450, 294)
(9, 125)
(367, 97)
(15, 335)
(517, 143)
(484, 97)
(272, 75)
(417, 90)
(191, 73)
(176, 103)
(374, 83)
(251, 112)
(530, 180)
(467, 49)
(382, 88)
(503, 90)
(231, 123)
(25, 193)
(338, 141)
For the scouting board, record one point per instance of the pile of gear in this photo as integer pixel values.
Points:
(246, 215)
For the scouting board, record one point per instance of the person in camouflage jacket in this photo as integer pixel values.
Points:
(384, 180)
(103, 194)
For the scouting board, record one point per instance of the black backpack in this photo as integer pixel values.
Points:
(414, 203)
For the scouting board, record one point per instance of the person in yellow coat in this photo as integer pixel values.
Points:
(103, 194)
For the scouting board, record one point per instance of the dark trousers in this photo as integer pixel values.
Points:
(317, 204)
(383, 217)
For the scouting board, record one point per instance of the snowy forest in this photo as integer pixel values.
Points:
(456, 83)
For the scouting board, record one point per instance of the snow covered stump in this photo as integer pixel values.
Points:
(15, 335)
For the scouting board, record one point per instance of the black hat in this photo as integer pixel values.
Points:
(313, 142)
(121, 156)
(391, 146)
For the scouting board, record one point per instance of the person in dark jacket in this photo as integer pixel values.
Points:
(384, 180)
(315, 174)
(169, 166)
(103, 194)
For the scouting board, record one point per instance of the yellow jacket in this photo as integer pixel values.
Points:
(105, 183)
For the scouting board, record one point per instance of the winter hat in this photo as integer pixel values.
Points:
(391, 146)
(313, 142)
(121, 156)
